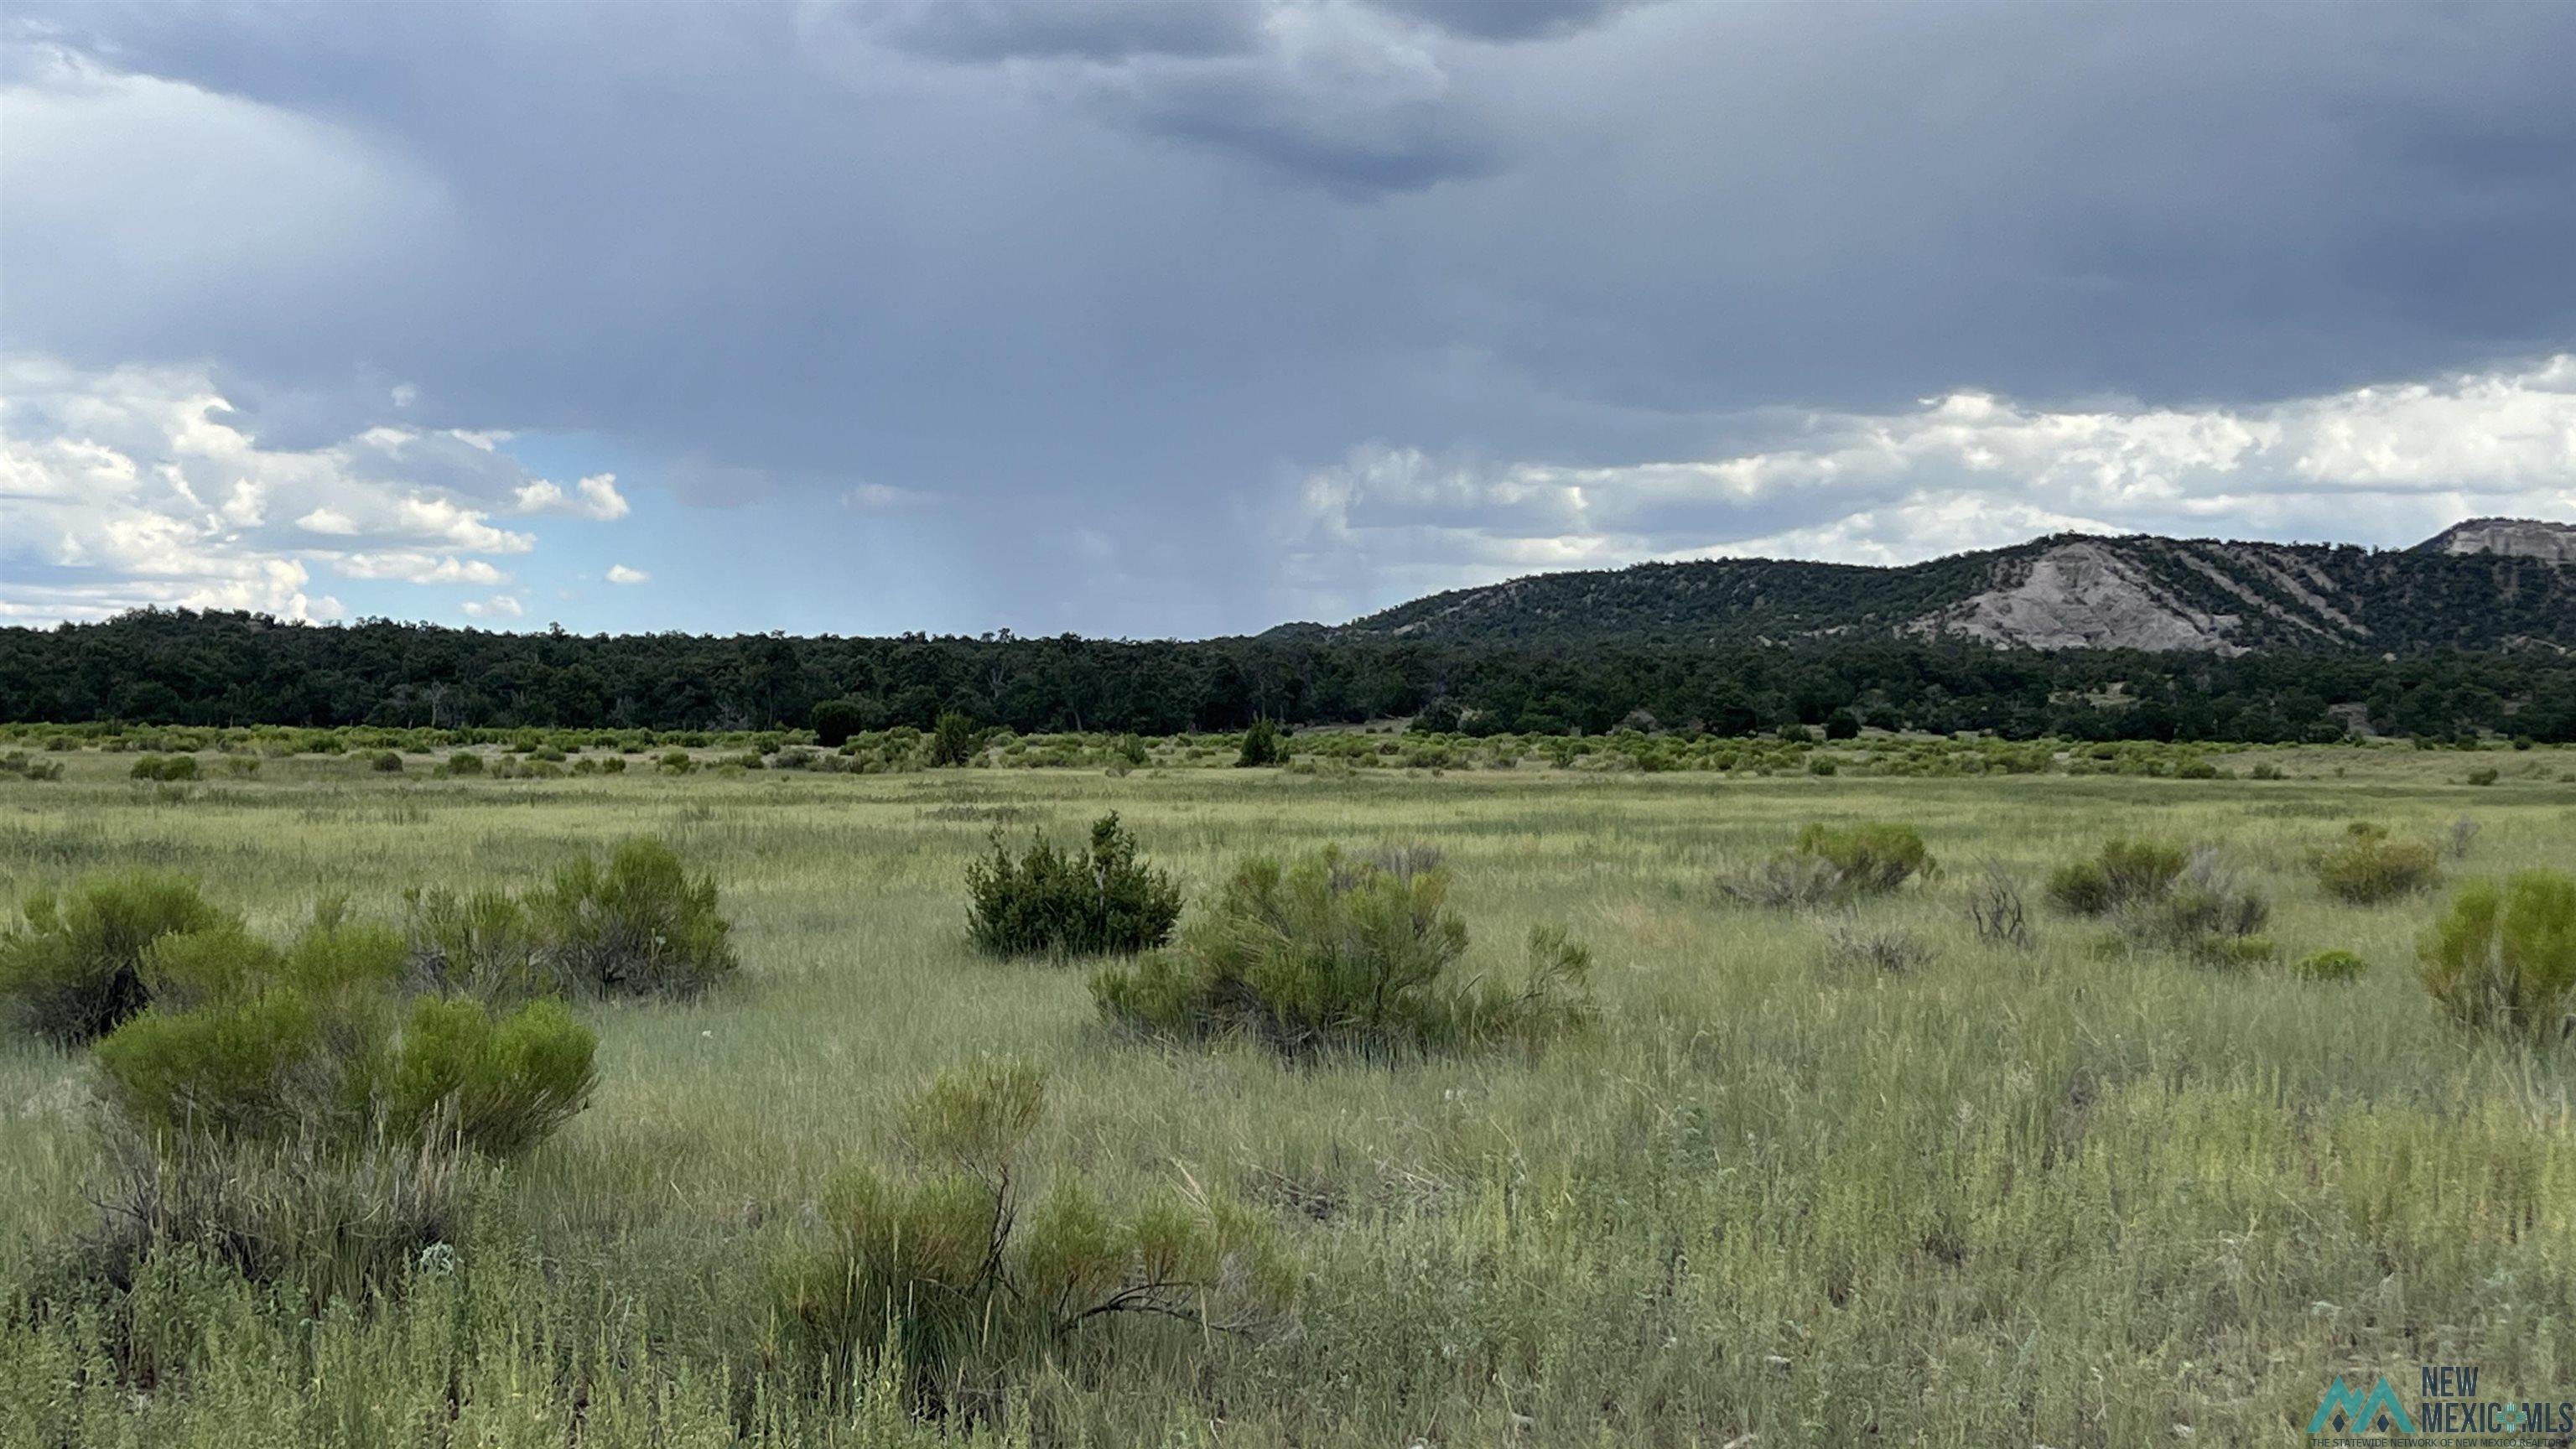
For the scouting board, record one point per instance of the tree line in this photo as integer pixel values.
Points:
(224, 668)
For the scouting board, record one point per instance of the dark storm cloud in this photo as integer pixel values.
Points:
(1138, 268)
(1509, 19)
(1100, 30)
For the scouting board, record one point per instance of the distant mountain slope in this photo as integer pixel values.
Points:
(2518, 537)
(2483, 584)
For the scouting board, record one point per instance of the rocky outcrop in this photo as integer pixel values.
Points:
(2512, 537)
(2490, 583)
(2083, 595)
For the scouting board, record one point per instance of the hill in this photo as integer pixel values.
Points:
(2484, 584)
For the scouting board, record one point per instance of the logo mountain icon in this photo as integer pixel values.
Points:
(2344, 1411)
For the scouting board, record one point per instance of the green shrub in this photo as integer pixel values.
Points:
(463, 762)
(480, 944)
(676, 762)
(165, 767)
(640, 926)
(954, 740)
(17, 763)
(1335, 954)
(2126, 872)
(1260, 745)
(2208, 913)
(1788, 881)
(497, 1086)
(2334, 965)
(2483, 775)
(938, 1273)
(2503, 958)
(835, 720)
(2368, 868)
(249, 1042)
(1871, 859)
(386, 762)
(1068, 903)
(73, 970)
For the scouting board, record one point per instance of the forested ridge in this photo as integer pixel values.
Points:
(2242, 595)
(217, 668)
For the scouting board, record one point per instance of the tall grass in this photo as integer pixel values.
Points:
(2009, 1197)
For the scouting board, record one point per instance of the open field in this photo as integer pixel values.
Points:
(2063, 1196)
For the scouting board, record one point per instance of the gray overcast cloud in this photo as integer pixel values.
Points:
(1189, 316)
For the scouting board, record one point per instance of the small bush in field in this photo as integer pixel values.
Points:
(1786, 882)
(286, 1112)
(73, 969)
(640, 925)
(463, 762)
(1099, 901)
(1260, 745)
(2503, 957)
(2208, 913)
(835, 720)
(954, 740)
(2125, 873)
(2335, 965)
(1335, 954)
(941, 1272)
(1895, 953)
(386, 762)
(1873, 859)
(479, 944)
(676, 762)
(1995, 908)
(2483, 775)
(244, 1041)
(2366, 868)
(165, 767)
(17, 763)
(1833, 866)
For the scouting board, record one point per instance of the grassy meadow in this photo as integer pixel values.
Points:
(2066, 1196)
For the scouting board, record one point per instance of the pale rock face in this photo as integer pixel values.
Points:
(2082, 595)
(2516, 537)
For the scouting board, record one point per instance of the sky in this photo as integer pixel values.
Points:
(1174, 318)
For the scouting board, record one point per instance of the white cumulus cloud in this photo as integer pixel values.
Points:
(137, 486)
(593, 497)
(2380, 465)
(621, 574)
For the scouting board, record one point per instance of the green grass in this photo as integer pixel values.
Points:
(2064, 1196)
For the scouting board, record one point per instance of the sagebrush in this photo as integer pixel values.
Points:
(1100, 900)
